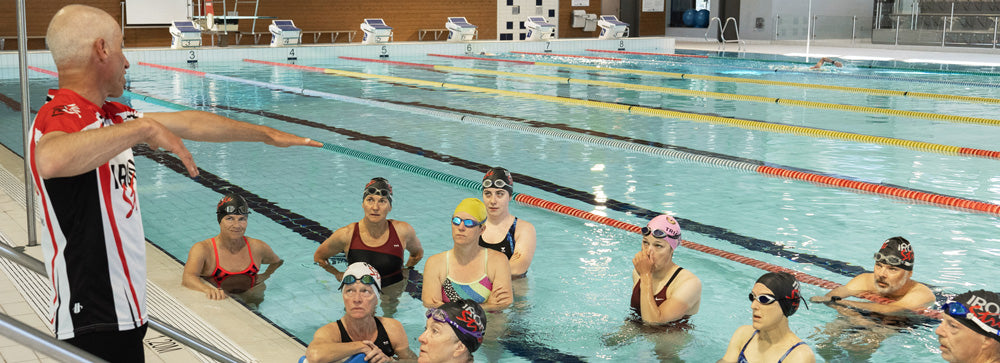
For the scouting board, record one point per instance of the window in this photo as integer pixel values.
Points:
(510, 25)
(552, 13)
(522, 25)
(506, 36)
(510, 2)
(522, 36)
(538, 2)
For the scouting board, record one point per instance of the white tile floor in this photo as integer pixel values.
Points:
(273, 346)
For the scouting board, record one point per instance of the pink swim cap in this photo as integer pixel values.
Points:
(666, 227)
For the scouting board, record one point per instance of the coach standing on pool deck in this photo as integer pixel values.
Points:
(82, 164)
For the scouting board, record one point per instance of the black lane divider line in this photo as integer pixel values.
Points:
(750, 243)
(304, 226)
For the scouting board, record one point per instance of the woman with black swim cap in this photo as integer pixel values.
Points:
(376, 240)
(513, 237)
(773, 299)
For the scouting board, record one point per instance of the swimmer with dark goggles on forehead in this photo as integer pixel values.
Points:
(505, 233)
(662, 291)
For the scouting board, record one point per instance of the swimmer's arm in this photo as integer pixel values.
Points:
(412, 244)
(740, 337)
(271, 259)
(524, 251)
(676, 306)
(919, 298)
(337, 243)
(502, 294)
(397, 335)
(191, 277)
(206, 126)
(856, 286)
(433, 277)
(326, 346)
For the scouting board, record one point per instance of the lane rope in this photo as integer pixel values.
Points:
(707, 94)
(871, 91)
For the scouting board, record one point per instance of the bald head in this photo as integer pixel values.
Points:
(73, 31)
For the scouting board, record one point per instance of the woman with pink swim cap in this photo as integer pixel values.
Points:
(663, 292)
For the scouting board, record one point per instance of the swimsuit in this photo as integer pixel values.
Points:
(477, 291)
(387, 258)
(220, 274)
(659, 298)
(381, 340)
(743, 359)
(506, 245)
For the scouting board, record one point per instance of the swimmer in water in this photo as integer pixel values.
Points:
(662, 291)
(769, 339)
(826, 60)
(514, 237)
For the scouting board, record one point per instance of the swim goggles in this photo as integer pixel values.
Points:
(365, 279)
(659, 233)
(765, 299)
(498, 183)
(469, 223)
(891, 259)
(441, 316)
(959, 310)
(376, 191)
(232, 209)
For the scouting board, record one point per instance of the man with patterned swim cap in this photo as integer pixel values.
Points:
(454, 331)
(970, 328)
(891, 280)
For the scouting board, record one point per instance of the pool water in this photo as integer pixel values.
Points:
(574, 303)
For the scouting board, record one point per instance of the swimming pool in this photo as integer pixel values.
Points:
(576, 292)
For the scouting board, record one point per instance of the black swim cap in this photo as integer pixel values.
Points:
(985, 305)
(785, 288)
(378, 186)
(232, 203)
(498, 177)
(896, 249)
(470, 316)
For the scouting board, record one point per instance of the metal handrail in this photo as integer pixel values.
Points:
(169, 330)
(38, 341)
(739, 42)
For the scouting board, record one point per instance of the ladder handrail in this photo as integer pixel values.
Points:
(739, 42)
(709, 27)
(197, 344)
(39, 341)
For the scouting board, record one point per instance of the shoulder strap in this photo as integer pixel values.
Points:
(672, 277)
(789, 351)
(344, 337)
(252, 264)
(748, 342)
(216, 250)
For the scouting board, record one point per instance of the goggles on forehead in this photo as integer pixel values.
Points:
(891, 259)
(442, 317)
(496, 183)
(766, 299)
(232, 209)
(468, 223)
(377, 191)
(959, 310)
(365, 279)
(659, 233)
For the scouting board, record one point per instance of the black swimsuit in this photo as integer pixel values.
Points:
(381, 340)
(506, 245)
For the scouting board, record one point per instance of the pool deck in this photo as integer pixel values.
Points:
(229, 323)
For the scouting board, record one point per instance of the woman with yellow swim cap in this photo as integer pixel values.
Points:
(468, 271)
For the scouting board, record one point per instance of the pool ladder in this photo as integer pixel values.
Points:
(740, 44)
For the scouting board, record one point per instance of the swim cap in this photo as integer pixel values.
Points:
(469, 315)
(378, 186)
(785, 288)
(474, 207)
(668, 227)
(361, 269)
(232, 203)
(897, 252)
(985, 305)
(498, 177)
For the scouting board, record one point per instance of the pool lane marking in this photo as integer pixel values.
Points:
(899, 192)
(668, 113)
(871, 91)
(707, 94)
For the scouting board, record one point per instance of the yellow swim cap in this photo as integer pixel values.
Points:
(474, 207)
